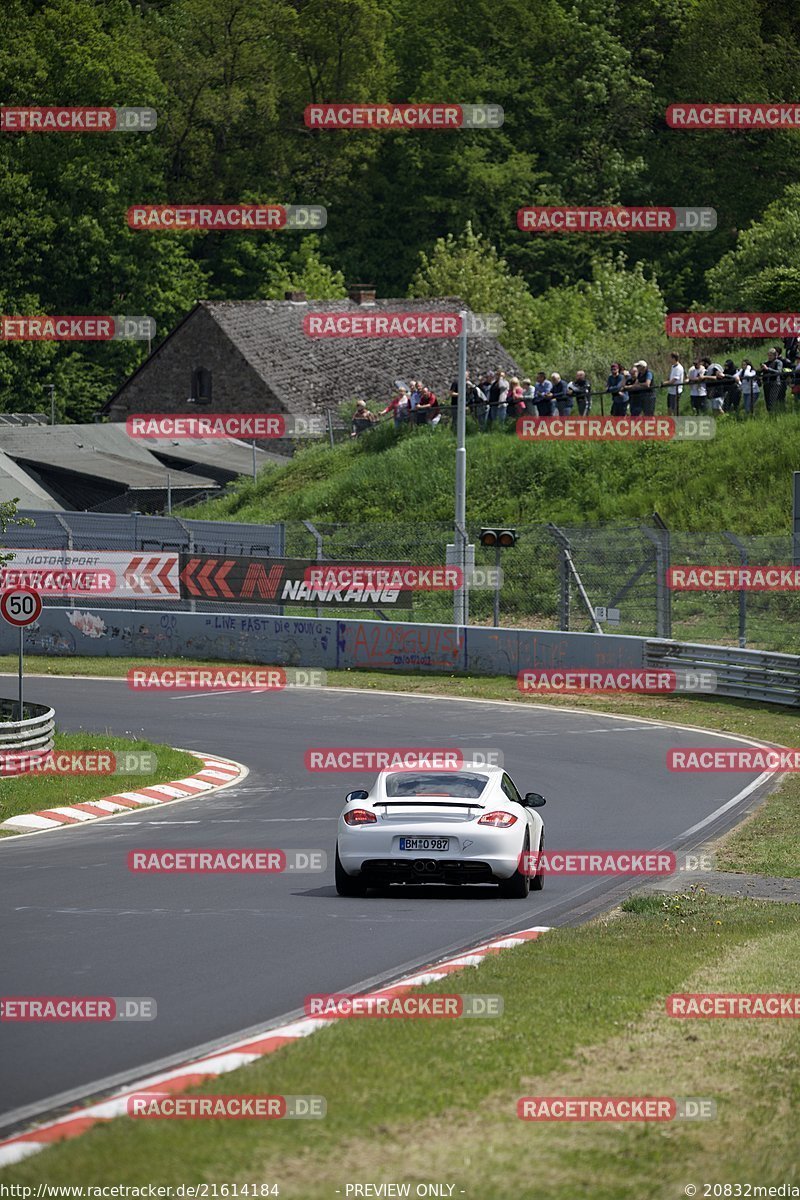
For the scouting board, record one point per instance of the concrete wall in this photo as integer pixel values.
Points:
(309, 642)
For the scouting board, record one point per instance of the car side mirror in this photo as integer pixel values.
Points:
(359, 794)
(534, 800)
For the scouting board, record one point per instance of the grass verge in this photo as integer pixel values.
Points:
(34, 792)
(766, 843)
(422, 1101)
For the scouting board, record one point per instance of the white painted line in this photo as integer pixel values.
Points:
(751, 787)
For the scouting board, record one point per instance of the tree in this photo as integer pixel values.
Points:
(762, 273)
(470, 267)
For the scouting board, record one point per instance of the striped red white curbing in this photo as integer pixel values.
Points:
(237, 1054)
(216, 773)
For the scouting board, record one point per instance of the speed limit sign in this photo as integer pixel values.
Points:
(20, 606)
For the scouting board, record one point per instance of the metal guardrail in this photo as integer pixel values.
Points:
(32, 736)
(744, 674)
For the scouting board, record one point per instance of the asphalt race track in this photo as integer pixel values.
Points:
(228, 953)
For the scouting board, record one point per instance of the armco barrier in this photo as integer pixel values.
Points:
(389, 645)
(747, 674)
(32, 736)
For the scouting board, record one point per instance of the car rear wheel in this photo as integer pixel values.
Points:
(537, 883)
(518, 885)
(347, 885)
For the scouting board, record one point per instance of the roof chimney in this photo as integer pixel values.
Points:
(296, 297)
(362, 293)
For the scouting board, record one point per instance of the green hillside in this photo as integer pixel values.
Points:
(741, 480)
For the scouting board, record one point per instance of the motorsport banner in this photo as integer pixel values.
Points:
(108, 574)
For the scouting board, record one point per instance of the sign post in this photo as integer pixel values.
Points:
(20, 607)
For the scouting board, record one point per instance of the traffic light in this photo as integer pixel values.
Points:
(498, 537)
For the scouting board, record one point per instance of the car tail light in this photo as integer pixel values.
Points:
(500, 820)
(359, 816)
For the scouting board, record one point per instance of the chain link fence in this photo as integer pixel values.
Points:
(573, 578)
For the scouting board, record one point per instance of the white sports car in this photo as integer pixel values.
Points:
(469, 825)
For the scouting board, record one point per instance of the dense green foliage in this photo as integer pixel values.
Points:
(583, 84)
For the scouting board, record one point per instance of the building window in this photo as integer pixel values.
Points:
(201, 385)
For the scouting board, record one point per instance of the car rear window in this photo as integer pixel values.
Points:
(461, 785)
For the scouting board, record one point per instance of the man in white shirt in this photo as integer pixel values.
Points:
(697, 390)
(674, 384)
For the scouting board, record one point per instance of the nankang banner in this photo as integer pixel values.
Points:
(279, 581)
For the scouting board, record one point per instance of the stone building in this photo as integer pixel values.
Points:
(255, 356)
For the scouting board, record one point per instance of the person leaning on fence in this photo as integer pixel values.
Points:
(641, 392)
(674, 384)
(363, 419)
(427, 411)
(751, 389)
(476, 402)
(561, 395)
(774, 384)
(581, 389)
(697, 388)
(529, 396)
(543, 396)
(498, 398)
(615, 386)
(714, 386)
(796, 381)
(732, 387)
(516, 404)
(398, 407)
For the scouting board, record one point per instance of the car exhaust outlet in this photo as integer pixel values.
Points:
(430, 865)
(419, 866)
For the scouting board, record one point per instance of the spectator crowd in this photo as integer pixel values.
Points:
(712, 387)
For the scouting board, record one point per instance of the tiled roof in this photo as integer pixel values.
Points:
(310, 374)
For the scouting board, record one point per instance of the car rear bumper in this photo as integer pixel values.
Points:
(426, 869)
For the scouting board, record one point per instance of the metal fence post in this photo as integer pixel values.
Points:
(660, 537)
(796, 519)
(317, 536)
(740, 546)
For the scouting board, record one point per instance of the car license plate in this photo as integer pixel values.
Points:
(424, 843)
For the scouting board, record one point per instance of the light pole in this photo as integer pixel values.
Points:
(461, 594)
